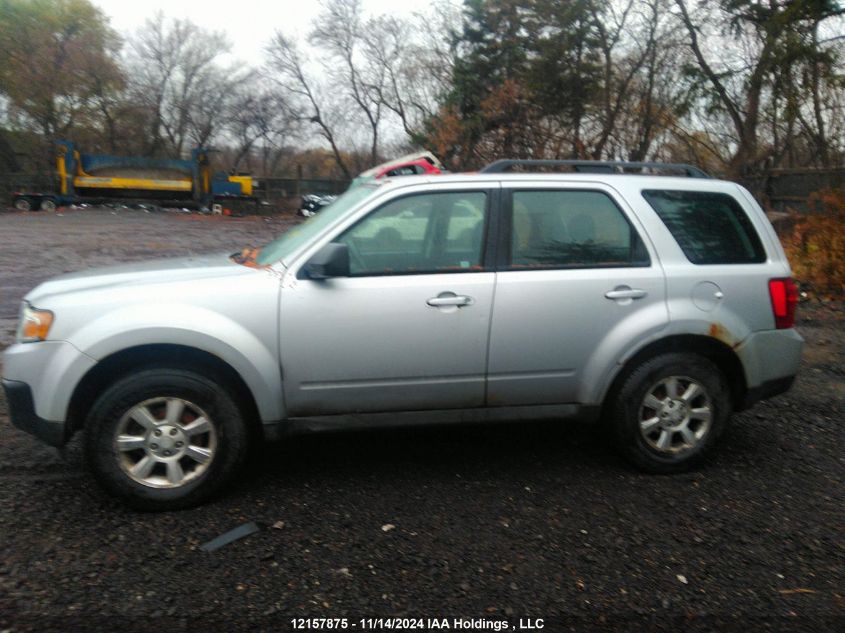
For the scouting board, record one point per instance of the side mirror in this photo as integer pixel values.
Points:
(330, 261)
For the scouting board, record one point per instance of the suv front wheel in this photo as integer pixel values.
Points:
(669, 412)
(165, 439)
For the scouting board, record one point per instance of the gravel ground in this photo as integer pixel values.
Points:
(496, 523)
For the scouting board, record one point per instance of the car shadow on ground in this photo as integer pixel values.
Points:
(474, 450)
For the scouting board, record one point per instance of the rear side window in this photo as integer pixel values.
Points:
(571, 229)
(711, 228)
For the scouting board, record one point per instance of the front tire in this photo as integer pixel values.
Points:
(669, 412)
(165, 439)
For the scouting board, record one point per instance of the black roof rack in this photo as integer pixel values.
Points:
(598, 167)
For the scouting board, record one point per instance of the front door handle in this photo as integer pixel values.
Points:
(624, 292)
(445, 299)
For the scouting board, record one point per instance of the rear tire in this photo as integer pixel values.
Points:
(48, 204)
(669, 411)
(165, 439)
(23, 204)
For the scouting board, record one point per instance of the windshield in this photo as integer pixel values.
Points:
(289, 241)
(361, 179)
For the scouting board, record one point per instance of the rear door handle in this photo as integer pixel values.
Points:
(624, 292)
(449, 299)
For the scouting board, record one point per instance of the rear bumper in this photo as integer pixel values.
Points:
(22, 413)
(768, 389)
(770, 359)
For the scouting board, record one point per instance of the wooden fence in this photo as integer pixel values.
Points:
(785, 189)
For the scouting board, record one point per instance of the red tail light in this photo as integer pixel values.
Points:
(784, 295)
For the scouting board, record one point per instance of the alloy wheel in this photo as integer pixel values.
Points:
(675, 415)
(165, 442)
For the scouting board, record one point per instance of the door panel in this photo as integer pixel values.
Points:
(409, 328)
(547, 324)
(375, 344)
(574, 271)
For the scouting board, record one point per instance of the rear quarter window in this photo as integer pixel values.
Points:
(710, 228)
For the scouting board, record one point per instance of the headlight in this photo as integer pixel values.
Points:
(34, 324)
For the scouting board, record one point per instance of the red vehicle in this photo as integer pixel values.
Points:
(410, 165)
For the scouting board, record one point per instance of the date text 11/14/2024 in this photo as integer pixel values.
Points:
(418, 624)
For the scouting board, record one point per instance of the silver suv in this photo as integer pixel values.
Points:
(657, 303)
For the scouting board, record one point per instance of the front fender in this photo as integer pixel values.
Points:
(251, 357)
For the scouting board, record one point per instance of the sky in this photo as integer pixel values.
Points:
(248, 24)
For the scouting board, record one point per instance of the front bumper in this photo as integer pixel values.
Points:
(40, 379)
(22, 413)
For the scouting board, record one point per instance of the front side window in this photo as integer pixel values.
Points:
(571, 229)
(711, 228)
(421, 233)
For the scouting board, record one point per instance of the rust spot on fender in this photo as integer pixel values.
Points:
(718, 331)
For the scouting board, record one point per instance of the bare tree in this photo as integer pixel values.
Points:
(287, 68)
(610, 24)
(655, 93)
(386, 43)
(340, 31)
(417, 59)
(260, 120)
(176, 75)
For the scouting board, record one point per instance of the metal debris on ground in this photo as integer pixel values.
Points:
(232, 535)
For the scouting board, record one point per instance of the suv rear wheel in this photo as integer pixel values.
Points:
(669, 412)
(165, 439)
